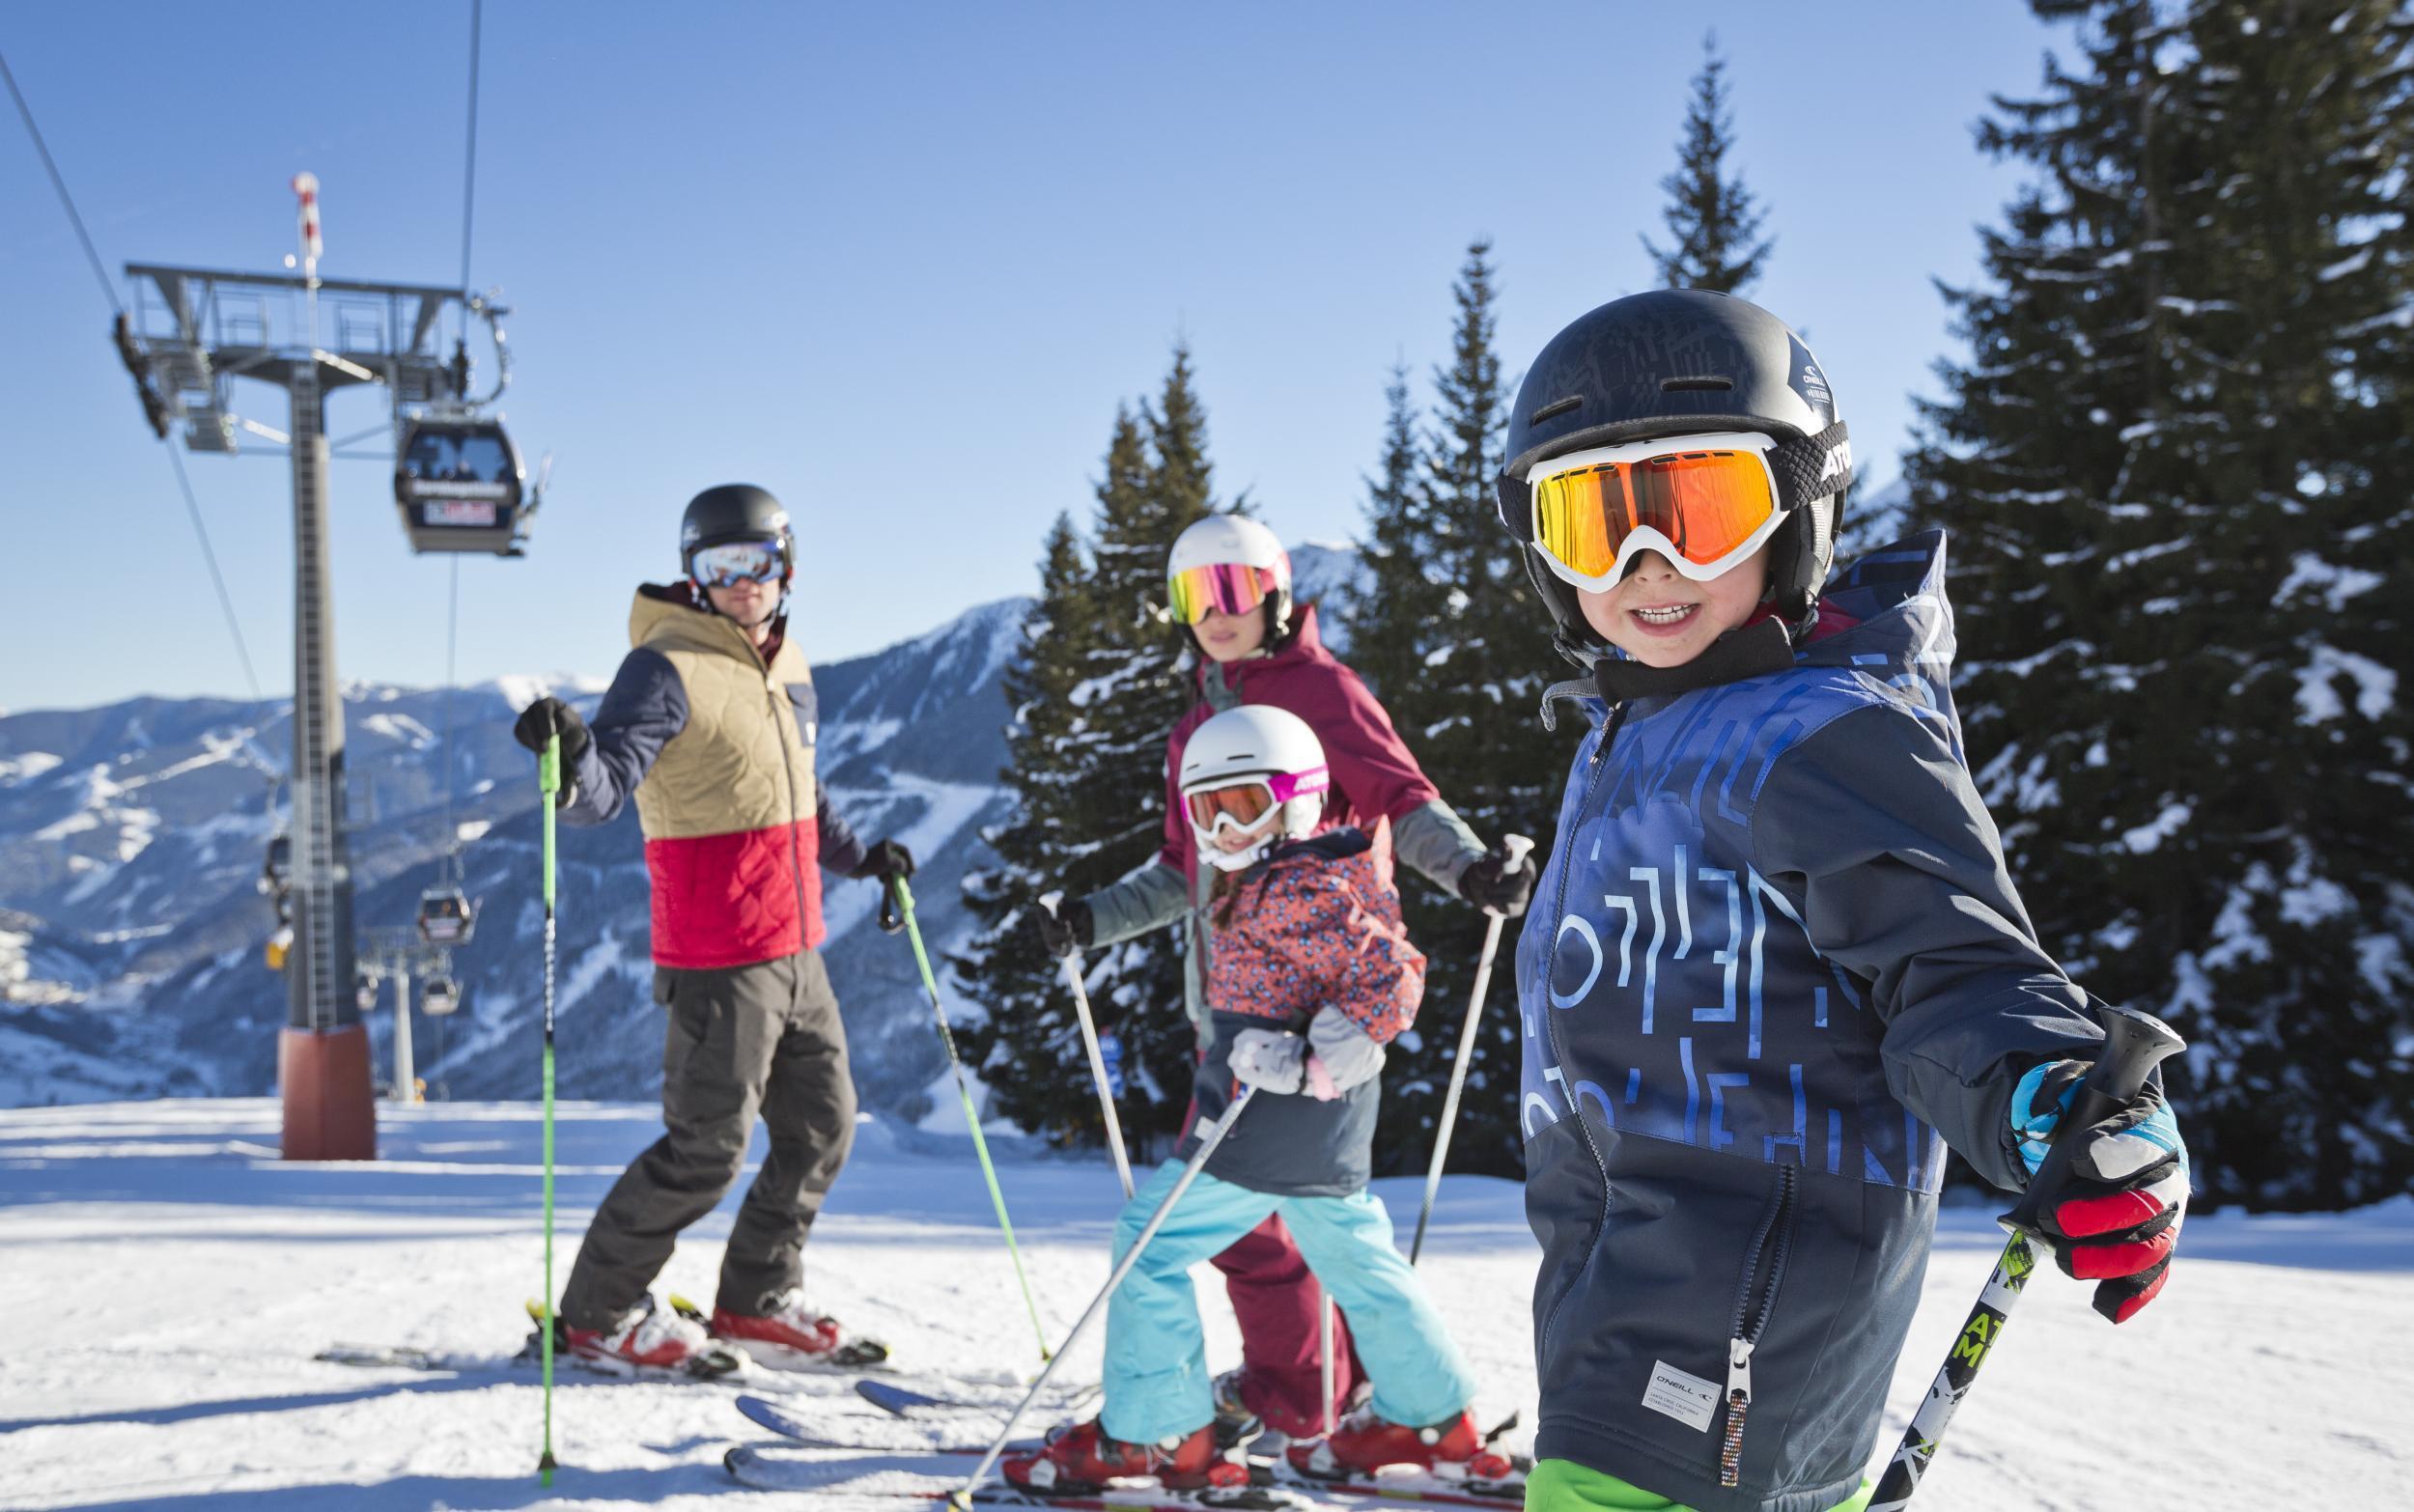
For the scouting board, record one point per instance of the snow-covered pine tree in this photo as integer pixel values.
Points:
(1712, 218)
(2173, 466)
(1390, 627)
(1464, 696)
(1021, 987)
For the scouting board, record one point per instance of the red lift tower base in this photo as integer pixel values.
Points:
(323, 1074)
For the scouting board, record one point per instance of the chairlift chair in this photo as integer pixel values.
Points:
(460, 485)
(441, 996)
(446, 916)
(276, 872)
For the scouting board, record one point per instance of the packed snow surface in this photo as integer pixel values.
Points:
(173, 1279)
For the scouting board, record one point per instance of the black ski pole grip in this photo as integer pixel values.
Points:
(2134, 1043)
(890, 921)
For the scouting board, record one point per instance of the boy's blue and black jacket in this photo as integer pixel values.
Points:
(1775, 956)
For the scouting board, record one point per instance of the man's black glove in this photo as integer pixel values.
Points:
(884, 860)
(1065, 930)
(1497, 885)
(546, 717)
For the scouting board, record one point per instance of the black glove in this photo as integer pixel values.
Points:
(1496, 885)
(1065, 931)
(546, 717)
(884, 860)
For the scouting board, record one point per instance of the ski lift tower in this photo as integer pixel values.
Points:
(192, 332)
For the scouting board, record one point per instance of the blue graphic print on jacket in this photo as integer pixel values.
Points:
(1775, 965)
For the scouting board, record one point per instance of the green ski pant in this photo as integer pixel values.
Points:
(1564, 1486)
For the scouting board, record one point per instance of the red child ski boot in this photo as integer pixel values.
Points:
(791, 1336)
(1363, 1444)
(1079, 1458)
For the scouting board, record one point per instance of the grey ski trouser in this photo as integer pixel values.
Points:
(741, 1039)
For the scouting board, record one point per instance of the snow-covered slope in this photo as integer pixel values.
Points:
(182, 1279)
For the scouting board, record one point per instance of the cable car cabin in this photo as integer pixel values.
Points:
(460, 485)
(441, 996)
(445, 916)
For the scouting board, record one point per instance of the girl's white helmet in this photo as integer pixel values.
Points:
(1233, 540)
(1255, 769)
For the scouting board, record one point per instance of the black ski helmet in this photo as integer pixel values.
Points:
(735, 512)
(1667, 363)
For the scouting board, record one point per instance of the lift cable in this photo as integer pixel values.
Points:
(192, 508)
(452, 618)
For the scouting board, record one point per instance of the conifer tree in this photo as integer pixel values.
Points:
(1463, 686)
(1103, 782)
(1712, 218)
(1389, 625)
(2173, 469)
(1039, 848)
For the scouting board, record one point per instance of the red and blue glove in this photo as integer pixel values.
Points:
(2117, 1219)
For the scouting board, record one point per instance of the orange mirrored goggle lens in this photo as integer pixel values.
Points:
(1707, 502)
(1247, 804)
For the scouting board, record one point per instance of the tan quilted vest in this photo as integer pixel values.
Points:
(740, 763)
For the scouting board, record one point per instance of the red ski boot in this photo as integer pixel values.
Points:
(1363, 1444)
(1079, 1458)
(647, 1337)
(791, 1336)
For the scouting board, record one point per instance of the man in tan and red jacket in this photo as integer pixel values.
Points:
(709, 725)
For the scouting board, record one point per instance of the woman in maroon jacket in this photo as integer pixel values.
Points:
(1229, 583)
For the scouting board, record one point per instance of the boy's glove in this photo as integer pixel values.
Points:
(2118, 1219)
(1342, 1056)
(884, 860)
(1495, 885)
(549, 716)
(1269, 1060)
(1065, 930)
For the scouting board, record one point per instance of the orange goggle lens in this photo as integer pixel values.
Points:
(1234, 587)
(1707, 503)
(1247, 804)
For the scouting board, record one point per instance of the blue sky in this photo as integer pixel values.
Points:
(897, 264)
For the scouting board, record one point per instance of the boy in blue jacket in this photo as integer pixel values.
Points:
(1776, 964)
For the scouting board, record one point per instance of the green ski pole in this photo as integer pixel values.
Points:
(904, 898)
(548, 782)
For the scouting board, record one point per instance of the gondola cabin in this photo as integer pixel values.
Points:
(459, 483)
(446, 916)
(441, 996)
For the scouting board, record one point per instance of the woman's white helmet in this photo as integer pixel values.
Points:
(1238, 753)
(1235, 540)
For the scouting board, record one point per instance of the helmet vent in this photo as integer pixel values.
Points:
(1679, 386)
(1557, 407)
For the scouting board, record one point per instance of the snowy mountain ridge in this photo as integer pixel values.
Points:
(133, 835)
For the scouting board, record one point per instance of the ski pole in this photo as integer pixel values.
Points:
(1514, 848)
(1097, 1061)
(904, 896)
(2134, 1043)
(962, 1497)
(1324, 1351)
(548, 782)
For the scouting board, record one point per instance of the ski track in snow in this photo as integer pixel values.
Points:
(175, 1282)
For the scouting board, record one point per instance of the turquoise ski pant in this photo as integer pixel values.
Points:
(1157, 1384)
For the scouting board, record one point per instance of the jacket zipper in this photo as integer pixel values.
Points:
(778, 697)
(1753, 1306)
(1550, 1021)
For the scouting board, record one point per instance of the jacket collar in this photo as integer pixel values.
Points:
(677, 613)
